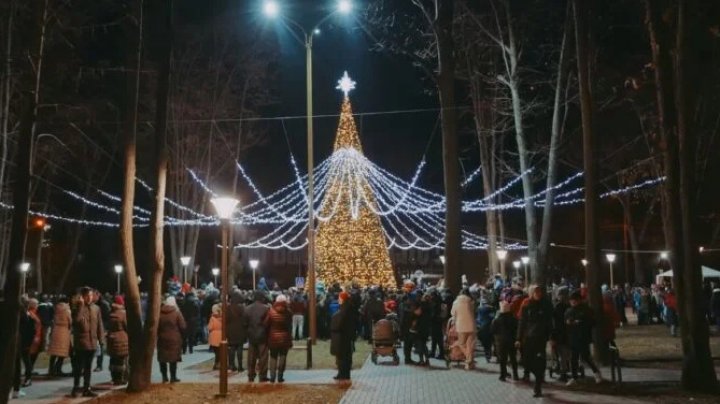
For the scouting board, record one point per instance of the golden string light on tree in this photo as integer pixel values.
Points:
(351, 245)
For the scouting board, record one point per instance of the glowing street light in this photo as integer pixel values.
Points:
(664, 255)
(584, 262)
(501, 255)
(224, 207)
(271, 8)
(254, 265)
(118, 271)
(216, 272)
(185, 261)
(24, 268)
(525, 261)
(344, 6)
(611, 259)
(516, 265)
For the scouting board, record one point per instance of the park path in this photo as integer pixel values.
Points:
(374, 384)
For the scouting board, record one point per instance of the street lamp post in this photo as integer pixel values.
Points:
(216, 272)
(611, 260)
(525, 261)
(118, 271)
(501, 255)
(185, 261)
(516, 265)
(254, 265)
(272, 9)
(24, 268)
(224, 208)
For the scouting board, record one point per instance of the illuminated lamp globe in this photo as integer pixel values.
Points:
(271, 8)
(516, 264)
(118, 269)
(216, 271)
(344, 6)
(254, 264)
(501, 254)
(224, 207)
(610, 257)
(185, 260)
(525, 260)
(24, 267)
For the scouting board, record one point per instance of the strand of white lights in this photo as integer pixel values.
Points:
(67, 219)
(470, 178)
(100, 206)
(629, 188)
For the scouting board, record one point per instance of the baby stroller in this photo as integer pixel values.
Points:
(453, 353)
(384, 339)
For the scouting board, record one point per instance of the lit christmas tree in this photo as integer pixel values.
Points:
(351, 245)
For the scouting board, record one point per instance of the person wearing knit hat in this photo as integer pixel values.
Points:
(342, 330)
(533, 334)
(504, 330)
(117, 341)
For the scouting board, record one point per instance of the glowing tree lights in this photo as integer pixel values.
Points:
(351, 245)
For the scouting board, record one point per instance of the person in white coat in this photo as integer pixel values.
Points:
(463, 315)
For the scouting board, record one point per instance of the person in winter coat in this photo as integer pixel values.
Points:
(170, 339)
(671, 318)
(60, 337)
(103, 305)
(408, 319)
(421, 331)
(87, 331)
(373, 311)
(579, 321)
(534, 331)
(715, 306)
(504, 330)
(215, 333)
(342, 334)
(462, 313)
(257, 337)
(30, 354)
(190, 310)
(236, 334)
(483, 320)
(26, 337)
(298, 307)
(559, 338)
(279, 325)
(117, 341)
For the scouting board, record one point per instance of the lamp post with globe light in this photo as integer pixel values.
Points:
(501, 255)
(216, 272)
(525, 261)
(254, 265)
(185, 261)
(516, 265)
(24, 268)
(224, 207)
(611, 259)
(118, 272)
(272, 9)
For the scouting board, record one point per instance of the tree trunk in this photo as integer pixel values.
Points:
(631, 234)
(139, 370)
(592, 234)
(451, 169)
(21, 203)
(158, 212)
(698, 371)
(513, 82)
(555, 135)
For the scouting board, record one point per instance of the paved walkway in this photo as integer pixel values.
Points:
(378, 384)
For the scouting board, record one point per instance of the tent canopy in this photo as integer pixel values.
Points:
(707, 272)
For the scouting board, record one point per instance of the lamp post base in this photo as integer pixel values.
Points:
(223, 368)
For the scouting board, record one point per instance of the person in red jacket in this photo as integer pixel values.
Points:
(279, 325)
(671, 318)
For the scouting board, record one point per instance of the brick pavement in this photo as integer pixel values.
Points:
(387, 384)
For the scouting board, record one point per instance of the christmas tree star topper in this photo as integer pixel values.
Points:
(346, 84)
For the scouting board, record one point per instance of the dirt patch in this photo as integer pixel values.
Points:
(243, 393)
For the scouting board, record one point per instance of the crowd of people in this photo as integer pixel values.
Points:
(513, 323)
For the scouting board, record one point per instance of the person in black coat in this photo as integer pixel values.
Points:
(408, 320)
(579, 320)
(504, 329)
(342, 330)
(190, 309)
(533, 333)
(236, 332)
(558, 338)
